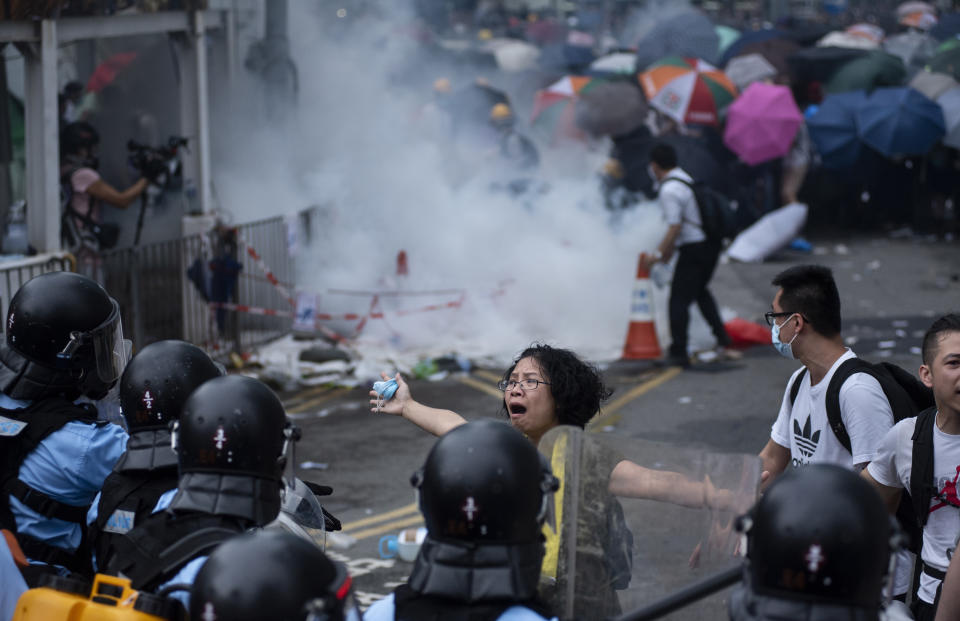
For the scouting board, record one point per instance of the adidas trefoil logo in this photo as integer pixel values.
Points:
(806, 442)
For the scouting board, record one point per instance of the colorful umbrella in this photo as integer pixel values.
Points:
(688, 90)
(107, 71)
(833, 129)
(900, 121)
(554, 108)
(762, 123)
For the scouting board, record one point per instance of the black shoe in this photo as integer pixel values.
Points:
(675, 361)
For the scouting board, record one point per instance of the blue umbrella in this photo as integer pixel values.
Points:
(833, 129)
(900, 121)
(947, 26)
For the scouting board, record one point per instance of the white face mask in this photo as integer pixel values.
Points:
(785, 349)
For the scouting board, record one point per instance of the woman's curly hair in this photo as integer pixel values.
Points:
(576, 385)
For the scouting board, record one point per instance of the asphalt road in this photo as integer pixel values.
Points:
(891, 291)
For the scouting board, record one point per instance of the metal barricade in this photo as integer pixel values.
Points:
(268, 240)
(165, 289)
(18, 271)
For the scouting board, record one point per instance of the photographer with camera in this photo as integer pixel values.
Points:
(82, 192)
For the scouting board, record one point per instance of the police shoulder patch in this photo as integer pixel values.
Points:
(120, 522)
(10, 427)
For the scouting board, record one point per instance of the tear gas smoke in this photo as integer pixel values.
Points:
(357, 146)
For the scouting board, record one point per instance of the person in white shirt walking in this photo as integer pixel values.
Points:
(697, 255)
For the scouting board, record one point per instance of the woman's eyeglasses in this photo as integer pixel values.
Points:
(526, 384)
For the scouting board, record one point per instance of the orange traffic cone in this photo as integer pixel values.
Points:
(402, 268)
(642, 341)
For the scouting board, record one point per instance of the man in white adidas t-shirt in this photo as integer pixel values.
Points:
(890, 471)
(805, 324)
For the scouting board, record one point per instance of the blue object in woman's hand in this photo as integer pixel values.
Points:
(386, 389)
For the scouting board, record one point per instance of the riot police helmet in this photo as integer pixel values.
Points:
(272, 575)
(232, 425)
(65, 326)
(484, 482)
(159, 379)
(820, 534)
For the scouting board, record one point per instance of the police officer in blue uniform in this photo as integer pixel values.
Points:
(153, 389)
(231, 442)
(64, 341)
(484, 492)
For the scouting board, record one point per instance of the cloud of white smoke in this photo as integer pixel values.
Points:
(354, 145)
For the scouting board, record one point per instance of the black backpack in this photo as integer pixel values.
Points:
(718, 214)
(908, 397)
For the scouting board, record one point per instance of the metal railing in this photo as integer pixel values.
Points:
(18, 271)
(165, 289)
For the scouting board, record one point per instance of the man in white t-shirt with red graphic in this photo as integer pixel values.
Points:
(890, 471)
(805, 324)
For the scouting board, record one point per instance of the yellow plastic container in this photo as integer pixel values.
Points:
(108, 599)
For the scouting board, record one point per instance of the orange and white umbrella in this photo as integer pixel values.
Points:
(554, 114)
(688, 90)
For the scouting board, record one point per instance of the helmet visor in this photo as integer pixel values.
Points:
(111, 350)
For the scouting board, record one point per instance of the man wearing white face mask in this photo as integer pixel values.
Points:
(805, 325)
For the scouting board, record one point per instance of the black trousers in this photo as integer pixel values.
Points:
(694, 270)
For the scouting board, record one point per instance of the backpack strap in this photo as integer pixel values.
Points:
(922, 487)
(834, 418)
(155, 551)
(898, 386)
(795, 387)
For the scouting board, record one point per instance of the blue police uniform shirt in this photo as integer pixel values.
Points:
(70, 466)
(383, 610)
(12, 585)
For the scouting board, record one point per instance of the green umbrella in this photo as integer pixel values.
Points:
(867, 73)
(946, 62)
(727, 36)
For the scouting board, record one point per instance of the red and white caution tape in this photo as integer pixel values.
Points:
(267, 272)
(371, 314)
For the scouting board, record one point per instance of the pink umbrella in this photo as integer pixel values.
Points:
(762, 123)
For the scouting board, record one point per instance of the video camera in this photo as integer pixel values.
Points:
(161, 165)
